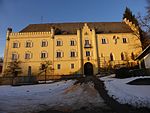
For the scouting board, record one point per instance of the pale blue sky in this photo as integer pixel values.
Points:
(19, 13)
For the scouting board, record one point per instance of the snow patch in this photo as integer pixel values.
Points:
(136, 95)
(63, 95)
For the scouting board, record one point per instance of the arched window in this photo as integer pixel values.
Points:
(59, 42)
(15, 44)
(14, 56)
(59, 54)
(44, 43)
(72, 42)
(28, 55)
(124, 40)
(111, 57)
(44, 54)
(132, 56)
(122, 56)
(73, 53)
(29, 44)
(104, 41)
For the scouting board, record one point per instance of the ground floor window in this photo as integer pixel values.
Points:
(58, 66)
(72, 66)
(111, 57)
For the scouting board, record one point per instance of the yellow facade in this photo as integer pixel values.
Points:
(87, 46)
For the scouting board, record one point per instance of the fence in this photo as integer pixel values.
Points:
(18, 80)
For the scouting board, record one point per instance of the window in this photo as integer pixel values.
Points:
(72, 43)
(124, 40)
(72, 66)
(87, 53)
(102, 55)
(87, 42)
(132, 56)
(59, 43)
(111, 57)
(28, 55)
(44, 54)
(44, 43)
(15, 45)
(72, 54)
(103, 41)
(58, 54)
(28, 44)
(14, 56)
(122, 56)
(58, 66)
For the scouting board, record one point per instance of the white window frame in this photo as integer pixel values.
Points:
(15, 44)
(46, 43)
(59, 54)
(87, 42)
(72, 42)
(59, 43)
(29, 44)
(72, 54)
(14, 56)
(124, 41)
(28, 55)
(42, 54)
(104, 41)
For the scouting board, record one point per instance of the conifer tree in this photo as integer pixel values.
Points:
(128, 14)
(143, 38)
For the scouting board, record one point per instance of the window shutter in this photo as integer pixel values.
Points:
(70, 54)
(62, 54)
(76, 54)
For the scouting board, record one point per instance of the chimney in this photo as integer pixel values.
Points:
(52, 32)
(9, 30)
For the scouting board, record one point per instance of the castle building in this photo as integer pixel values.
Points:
(73, 48)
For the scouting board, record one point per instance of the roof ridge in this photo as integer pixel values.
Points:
(72, 23)
(71, 27)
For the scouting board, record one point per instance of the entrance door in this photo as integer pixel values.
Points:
(88, 69)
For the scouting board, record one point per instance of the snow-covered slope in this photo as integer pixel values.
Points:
(60, 95)
(136, 95)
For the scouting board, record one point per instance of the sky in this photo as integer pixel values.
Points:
(17, 14)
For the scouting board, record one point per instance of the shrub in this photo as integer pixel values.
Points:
(140, 72)
(130, 72)
(122, 72)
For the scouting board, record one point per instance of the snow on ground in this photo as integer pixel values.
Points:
(59, 95)
(136, 95)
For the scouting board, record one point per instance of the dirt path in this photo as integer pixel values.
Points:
(112, 105)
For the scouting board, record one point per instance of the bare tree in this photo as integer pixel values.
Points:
(44, 67)
(144, 23)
